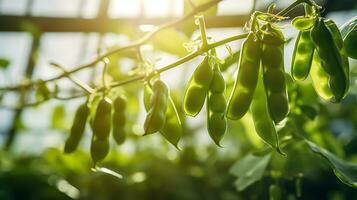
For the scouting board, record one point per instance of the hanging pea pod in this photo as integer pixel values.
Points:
(99, 149)
(303, 23)
(337, 38)
(155, 118)
(216, 107)
(102, 120)
(172, 130)
(197, 87)
(119, 120)
(304, 47)
(101, 127)
(246, 81)
(263, 123)
(349, 34)
(273, 72)
(77, 129)
(302, 56)
(330, 68)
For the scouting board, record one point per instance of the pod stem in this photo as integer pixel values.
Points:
(201, 23)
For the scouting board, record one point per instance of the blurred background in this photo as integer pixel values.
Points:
(34, 33)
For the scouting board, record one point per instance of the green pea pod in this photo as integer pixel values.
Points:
(246, 81)
(263, 123)
(77, 129)
(334, 66)
(273, 73)
(119, 133)
(155, 118)
(119, 104)
(337, 37)
(197, 87)
(349, 34)
(320, 78)
(216, 107)
(302, 56)
(303, 23)
(172, 130)
(304, 47)
(102, 120)
(274, 192)
(119, 120)
(99, 149)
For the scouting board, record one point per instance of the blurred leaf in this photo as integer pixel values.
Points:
(309, 111)
(345, 171)
(249, 170)
(188, 8)
(4, 63)
(42, 92)
(171, 41)
(58, 118)
(189, 26)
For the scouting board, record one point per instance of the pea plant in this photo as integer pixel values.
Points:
(262, 89)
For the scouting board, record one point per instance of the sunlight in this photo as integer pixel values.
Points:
(124, 8)
(234, 7)
(145, 8)
(156, 8)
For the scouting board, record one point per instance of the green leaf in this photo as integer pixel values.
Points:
(249, 170)
(210, 12)
(58, 118)
(4, 63)
(309, 111)
(171, 41)
(345, 171)
(42, 92)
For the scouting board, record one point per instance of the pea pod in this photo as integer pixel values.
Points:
(197, 87)
(119, 120)
(102, 120)
(216, 107)
(155, 118)
(172, 130)
(329, 64)
(273, 72)
(263, 123)
(99, 149)
(77, 129)
(246, 81)
(349, 34)
(337, 37)
(304, 47)
(303, 23)
(302, 56)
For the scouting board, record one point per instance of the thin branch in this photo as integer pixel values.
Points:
(138, 43)
(182, 60)
(37, 103)
(75, 80)
(144, 77)
(134, 44)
